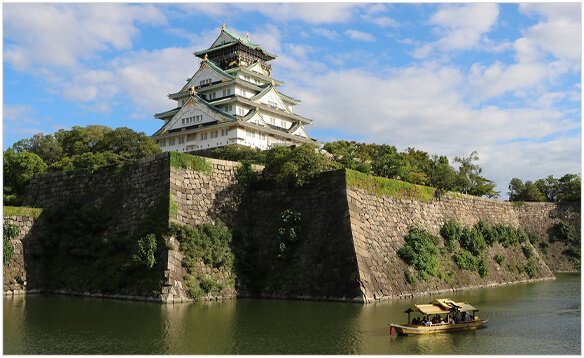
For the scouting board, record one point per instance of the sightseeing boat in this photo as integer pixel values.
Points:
(456, 316)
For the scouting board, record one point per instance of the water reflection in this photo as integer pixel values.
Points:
(536, 318)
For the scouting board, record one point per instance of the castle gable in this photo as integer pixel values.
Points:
(205, 75)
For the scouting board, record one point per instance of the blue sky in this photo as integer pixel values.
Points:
(501, 79)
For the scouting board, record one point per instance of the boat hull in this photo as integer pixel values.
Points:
(407, 329)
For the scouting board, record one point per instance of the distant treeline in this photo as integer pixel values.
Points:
(564, 189)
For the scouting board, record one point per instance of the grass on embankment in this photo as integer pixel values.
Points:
(388, 187)
(21, 211)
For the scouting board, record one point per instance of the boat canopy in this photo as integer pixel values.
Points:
(441, 306)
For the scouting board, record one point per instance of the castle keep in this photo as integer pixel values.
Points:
(231, 99)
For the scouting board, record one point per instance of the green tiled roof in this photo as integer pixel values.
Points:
(236, 38)
(262, 93)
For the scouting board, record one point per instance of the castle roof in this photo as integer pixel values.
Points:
(233, 39)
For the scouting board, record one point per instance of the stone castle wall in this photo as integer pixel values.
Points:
(202, 198)
(347, 250)
(16, 272)
(379, 225)
(129, 194)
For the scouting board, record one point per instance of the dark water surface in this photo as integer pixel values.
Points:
(536, 318)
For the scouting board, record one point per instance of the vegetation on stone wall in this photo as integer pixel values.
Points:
(289, 234)
(193, 162)
(563, 232)
(465, 247)
(246, 175)
(388, 187)
(21, 211)
(10, 231)
(209, 244)
(420, 251)
(81, 254)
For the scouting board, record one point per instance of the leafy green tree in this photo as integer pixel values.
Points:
(295, 167)
(528, 191)
(469, 179)
(46, 146)
(19, 168)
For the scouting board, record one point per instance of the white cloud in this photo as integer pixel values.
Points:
(62, 34)
(560, 35)
(359, 35)
(426, 107)
(331, 35)
(461, 27)
(311, 13)
(497, 79)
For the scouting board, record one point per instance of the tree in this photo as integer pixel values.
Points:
(295, 167)
(18, 169)
(469, 180)
(44, 145)
(528, 191)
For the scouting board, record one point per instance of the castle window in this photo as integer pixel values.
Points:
(181, 140)
(172, 141)
(212, 95)
(272, 103)
(205, 82)
(226, 92)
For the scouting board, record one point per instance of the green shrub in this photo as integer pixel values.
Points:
(500, 259)
(473, 241)
(483, 267)
(533, 238)
(544, 245)
(466, 261)
(245, 174)
(421, 252)
(527, 251)
(562, 232)
(146, 251)
(489, 234)
(531, 269)
(451, 232)
(410, 278)
(11, 231)
(289, 233)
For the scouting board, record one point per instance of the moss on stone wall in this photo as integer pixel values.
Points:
(388, 187)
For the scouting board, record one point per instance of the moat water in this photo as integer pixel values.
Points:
(535, 318)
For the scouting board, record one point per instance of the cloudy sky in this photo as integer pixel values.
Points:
(501, 79)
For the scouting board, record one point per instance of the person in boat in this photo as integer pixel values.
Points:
(451, 320)
(441, 320)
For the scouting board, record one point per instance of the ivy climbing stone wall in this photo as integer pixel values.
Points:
(18, 277)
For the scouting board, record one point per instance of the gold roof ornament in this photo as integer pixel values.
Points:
(192, 91)
(206, 58)
(223, 27)
(273, 82)
(247, 35)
